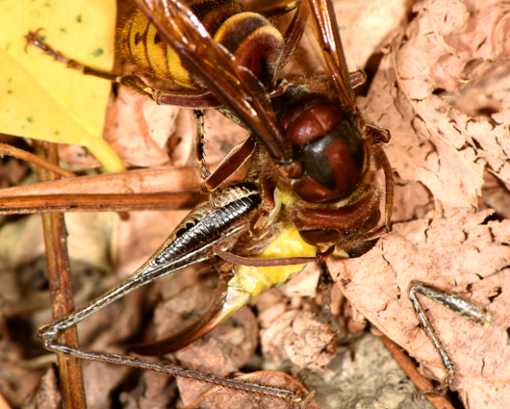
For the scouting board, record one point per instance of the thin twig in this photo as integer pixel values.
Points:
(61, 292)
(6, 149)
(99, 203)
(163, 179)
(409, 367)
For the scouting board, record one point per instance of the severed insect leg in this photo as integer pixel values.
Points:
(192, 242)
(468, 310)
(200, 145)
(186, 99)
(324, 289)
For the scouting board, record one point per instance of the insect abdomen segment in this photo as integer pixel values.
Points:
(250, 37)
(196, 232)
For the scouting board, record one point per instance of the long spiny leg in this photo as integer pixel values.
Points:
(34, 39)
(52, 345)
(185, 98)
(466, 309)
(130, 81)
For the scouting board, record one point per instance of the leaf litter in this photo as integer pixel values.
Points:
(441, 90)
(442, 141)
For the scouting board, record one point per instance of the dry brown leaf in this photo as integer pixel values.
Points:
(447, 48)
(302, 338)
(364, 375)
(434, 143)
(154, 390)
(467, 259)
(48, 395)
(128, 132)
(366, 25)
(223, 351)
(443, 136)
(16, 381)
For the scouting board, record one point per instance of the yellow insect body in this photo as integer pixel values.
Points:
(249, 282)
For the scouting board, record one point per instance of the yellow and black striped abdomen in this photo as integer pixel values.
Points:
(248, 36)
(147, 50)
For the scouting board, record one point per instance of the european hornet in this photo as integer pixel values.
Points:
(312, 162)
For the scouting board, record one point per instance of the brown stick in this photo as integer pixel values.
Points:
(61, 292)
(6, 149)
(163, 179)
(99, 202)
(409, 367)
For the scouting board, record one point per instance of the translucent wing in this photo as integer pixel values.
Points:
(327, 34)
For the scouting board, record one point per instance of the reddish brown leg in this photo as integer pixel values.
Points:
(379, 135)
(230, 164)
(388, 175)
(195, 331)
(389, 188)
(357, 78)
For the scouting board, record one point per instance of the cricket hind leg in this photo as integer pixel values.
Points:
(50, 333)
(466, 309)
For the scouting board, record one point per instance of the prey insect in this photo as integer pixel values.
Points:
(311, 189)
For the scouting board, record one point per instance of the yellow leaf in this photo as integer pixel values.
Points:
(43, 99)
